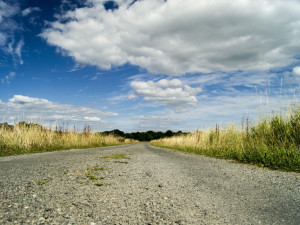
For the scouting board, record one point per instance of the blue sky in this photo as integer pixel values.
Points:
(147, 64)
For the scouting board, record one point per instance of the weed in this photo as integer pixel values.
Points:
(99, 184)
(95, 168)
(120, 162)
(42, 182)
(91, 176)
(115, 156)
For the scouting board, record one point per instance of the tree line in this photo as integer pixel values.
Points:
(143, 136)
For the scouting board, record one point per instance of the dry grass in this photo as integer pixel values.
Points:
(29, 138)
(273, 142)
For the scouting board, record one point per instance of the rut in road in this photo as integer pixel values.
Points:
(140, 184)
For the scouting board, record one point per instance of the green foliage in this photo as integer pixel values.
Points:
(143, 136)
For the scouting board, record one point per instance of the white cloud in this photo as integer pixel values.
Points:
(7, 11)
(181, 36)
(7, 78)
(29, 108)
(18, 51)
(296, 70)
(30, 10)
(171, 93)
(94, 118)
(131, 97)
(7, 29)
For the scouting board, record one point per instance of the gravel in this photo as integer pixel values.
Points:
(155, 186)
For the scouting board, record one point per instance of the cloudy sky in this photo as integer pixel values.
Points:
(140, 65)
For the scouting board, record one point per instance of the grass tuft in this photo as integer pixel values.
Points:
(42, 182)
(116, 156)
(95, 168)
(121, 162)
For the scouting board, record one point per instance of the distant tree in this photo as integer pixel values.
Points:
(169, 133)
(6, 126)
(117, 132)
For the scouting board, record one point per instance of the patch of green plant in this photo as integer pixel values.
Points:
(121, 162)
(95, 168)
(115, 156)
(42, 182)
(91, 176)
(99, 184)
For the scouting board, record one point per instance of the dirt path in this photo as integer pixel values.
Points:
(154, 186)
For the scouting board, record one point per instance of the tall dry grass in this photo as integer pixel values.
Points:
(272, 142)
(29, 138)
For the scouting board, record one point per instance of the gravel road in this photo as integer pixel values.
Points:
(154, 186)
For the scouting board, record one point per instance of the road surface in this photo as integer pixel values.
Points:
(147, 186)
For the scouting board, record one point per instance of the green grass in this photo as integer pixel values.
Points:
(42, 182)
(92, 177)
(95, 168)
(121, 162)
(115, 156)
(273, 142)
(99, 184)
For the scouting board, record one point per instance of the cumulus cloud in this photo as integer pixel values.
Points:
(175, 37)
(171, 93)
(296, 70)
(47, 111)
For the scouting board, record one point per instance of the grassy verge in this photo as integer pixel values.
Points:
(273, 142)
(30, 138)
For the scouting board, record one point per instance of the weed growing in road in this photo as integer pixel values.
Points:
(42, 182)
(92, 177)
(121, 162)
(115, 156)
(95, 168)
(99, 184)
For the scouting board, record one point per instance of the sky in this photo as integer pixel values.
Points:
(139, 65)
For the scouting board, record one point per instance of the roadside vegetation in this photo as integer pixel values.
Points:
(25, 138)
(272, 142)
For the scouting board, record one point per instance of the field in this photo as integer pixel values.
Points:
(29, 138)
(272, 142)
